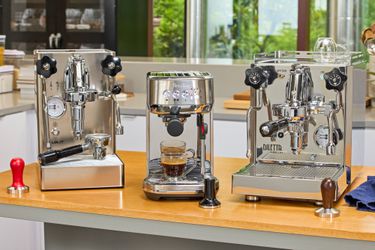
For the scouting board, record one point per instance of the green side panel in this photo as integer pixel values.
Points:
(132, 27)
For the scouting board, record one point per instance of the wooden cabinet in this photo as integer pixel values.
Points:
(71, 24)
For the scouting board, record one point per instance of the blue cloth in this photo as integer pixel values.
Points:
(363, 197)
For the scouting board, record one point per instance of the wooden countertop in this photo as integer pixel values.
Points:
(267, 215)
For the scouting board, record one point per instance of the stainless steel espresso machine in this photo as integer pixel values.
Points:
(299, 126)
(78, 119)
(179, 134)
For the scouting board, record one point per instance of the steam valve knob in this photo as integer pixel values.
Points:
(116, 89)
(335, 79)
(256, 76)
(46, 66)
(111, 65)
(209, 200)
(328, 189)
(17, 166)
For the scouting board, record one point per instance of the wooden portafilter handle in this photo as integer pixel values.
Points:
(328, 190)
(17, 166)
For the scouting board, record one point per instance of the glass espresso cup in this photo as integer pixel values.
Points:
(173, 158)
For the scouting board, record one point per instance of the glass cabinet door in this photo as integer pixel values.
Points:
(84, 16)
(26, 24)
(28, 15)
(89, 24)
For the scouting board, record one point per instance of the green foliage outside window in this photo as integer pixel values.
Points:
(239, 41)
(168, 36)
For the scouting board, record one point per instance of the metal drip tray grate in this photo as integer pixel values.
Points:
(294, 171)
(156, 173)
(302, 159)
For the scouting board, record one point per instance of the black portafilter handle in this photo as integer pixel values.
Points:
(209, 200)
(267, 129)
(55, 155)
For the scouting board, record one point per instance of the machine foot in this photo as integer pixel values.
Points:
(252, 198)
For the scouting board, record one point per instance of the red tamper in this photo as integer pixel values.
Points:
(18, 187)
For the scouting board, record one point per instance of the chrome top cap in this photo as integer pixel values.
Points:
(192, 91)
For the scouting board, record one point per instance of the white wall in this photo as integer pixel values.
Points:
(18, 139)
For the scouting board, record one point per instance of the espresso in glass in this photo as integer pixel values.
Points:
(173, 158)
(173, 167)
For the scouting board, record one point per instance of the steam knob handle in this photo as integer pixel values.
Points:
(335, 79)
(209, 200)
(111, 65)
(328, 190)
(46, 66)
(17, 166)
(256, 76)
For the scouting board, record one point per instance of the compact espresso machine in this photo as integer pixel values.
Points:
(299, 125)
(78, 119)
(179, 134)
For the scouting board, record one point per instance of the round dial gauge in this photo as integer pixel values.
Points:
(321, 136)
(56, 107)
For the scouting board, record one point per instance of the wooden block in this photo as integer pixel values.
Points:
(244, 95)
(236, 104)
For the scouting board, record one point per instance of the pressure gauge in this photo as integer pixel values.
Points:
(56, 107)
(321, 136)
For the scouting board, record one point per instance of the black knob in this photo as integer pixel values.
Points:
(335, 79)
(111, 65)
(116, 89)
(269, 128)
(55, 155)
(209, 200)
(46, 66)
(175, 127)
(328, 189)
(256, 76)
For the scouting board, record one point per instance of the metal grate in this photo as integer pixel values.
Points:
(178, 74)
(294, 171)
(303, 158)
(156, 173)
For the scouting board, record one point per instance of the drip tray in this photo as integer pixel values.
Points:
(293, 171)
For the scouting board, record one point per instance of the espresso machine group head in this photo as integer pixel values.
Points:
(179, 108)
(299, 126)
(78, 119)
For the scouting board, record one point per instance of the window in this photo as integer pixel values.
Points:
(238, 29)
(168, 28)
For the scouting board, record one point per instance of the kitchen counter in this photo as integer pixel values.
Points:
(11, 103)
(269, 223)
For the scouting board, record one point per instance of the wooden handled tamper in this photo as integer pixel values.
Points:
(18, 187)
(328, 189)
(209, 200)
